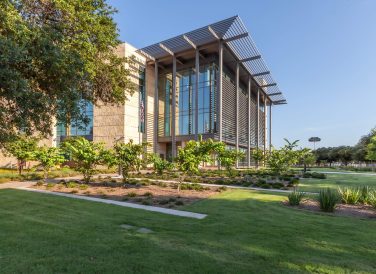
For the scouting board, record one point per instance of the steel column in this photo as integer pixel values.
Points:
(270, 125)
(156, 107)
(258, 119)
(237, 112)
(220, 75)
(265, 123)
(249, 122)
(173, 117)
(197, 68)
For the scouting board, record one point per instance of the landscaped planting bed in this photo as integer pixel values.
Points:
(248, 178)
(142, 192)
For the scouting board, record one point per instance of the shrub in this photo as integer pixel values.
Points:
(222, 188)
(328, 199)
(350, 195)
(50, 185)
(317, 175)
(179, 203)
(74, 191)
(277, 185)
(266, 186)
(163, 202)
(132, 194)
(39, 183)
(71, 184)
(372, 198)
(295, 197)
(365, 194)
(148, 194)
(146, 202)
(83, 187)
(194, 186)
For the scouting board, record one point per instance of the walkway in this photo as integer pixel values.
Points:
(348, 173)
(124, 204)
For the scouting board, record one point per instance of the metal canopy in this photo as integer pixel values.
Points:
(234, 34)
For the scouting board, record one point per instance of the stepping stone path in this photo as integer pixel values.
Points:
(142, 230)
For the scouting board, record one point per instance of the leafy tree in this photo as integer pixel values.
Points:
(306, 158)
(22, 149)
(129, 157)
(160, 165)
(371, 149)
(48, 157)
(86, 155)
(228, 157)
(258, 155)
(193, 154)
(53, 53)
(345, 154)
(281, 160)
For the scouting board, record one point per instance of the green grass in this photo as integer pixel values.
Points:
(245, 232)
(337, 180)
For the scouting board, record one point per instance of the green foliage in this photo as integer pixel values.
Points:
(129, 157)
(371, 149)
(71, 184)
(306, 158)
(350, 195)
(328, 199)
(227, 157)
(161, 165)
(365, 194)
(48, 157)
(372, 198)
(22, 149)
(132, 194)
(295, 197)
(86, 155)
(194, 186)
(315, 175)
(258, 155)
(54, 53)
(281, 160)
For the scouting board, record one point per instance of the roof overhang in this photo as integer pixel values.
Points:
(235, 36)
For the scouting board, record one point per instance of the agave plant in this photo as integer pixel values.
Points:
(350, 195)
(328, 199)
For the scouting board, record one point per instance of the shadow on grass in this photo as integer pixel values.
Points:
(245, 232)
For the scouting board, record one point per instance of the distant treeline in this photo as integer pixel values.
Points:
(345, 154)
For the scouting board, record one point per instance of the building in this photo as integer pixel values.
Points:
(211, 82)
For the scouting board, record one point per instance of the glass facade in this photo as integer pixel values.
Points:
(77, 129)
(185, 101)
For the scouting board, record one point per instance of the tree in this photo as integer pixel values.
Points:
(129, 157)
(281, 160)
(22, 149)
(314, 140)
(86, 155)
(258, 156)
(228, 157)
(371, 149)
(193, 154)
(48, 157)
(306, 158)
(54, 53)
(160, 165)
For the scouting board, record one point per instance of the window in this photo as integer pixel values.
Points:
(77, 128)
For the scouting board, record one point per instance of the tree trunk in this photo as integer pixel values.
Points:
(305, 168)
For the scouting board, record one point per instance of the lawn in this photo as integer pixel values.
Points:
(245, 232)
(337, 180)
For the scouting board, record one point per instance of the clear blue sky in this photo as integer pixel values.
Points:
(321, 53)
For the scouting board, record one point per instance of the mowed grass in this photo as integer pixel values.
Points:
(337, 180)
(245, 232)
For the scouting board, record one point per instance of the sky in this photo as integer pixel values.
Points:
(322, 54)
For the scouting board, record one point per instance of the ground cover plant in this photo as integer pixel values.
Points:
(47, 234)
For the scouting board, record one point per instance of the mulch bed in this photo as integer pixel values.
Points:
(166, 196)
(361, 211)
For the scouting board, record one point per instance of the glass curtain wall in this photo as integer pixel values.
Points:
(142, 100)
(77, 129)
(185, 101)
